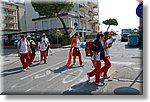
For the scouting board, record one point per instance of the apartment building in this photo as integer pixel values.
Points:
(13, 20)
(85, 14)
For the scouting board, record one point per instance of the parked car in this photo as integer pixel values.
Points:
(133, 39)
(124, 37)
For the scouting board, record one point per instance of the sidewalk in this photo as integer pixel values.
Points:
(126, 81)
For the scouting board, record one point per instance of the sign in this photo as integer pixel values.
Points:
(139, 10)
(75, 24)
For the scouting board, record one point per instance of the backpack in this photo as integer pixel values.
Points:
(21, 42)
(33, 48)
(97, 47)
(88, 48)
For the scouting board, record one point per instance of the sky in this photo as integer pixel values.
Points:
(124, 11)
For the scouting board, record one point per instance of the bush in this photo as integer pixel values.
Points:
(62, 39)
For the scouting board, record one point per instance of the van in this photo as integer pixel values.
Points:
(124, 37)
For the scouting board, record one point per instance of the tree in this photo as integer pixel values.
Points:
(110, 22)
(53, 9)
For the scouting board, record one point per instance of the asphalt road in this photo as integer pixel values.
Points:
(55, 78)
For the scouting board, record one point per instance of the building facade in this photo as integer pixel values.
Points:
(13, 20)
(85, 14)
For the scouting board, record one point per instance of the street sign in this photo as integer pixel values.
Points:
(139, 10)
(75, 24)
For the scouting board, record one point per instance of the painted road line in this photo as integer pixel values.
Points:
(42, 70)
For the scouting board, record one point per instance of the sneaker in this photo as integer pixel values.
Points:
(30, 65)
(106, 77)
(100, 84)
(24, 70)
(88, 77)
(45, 63)
(82, 65)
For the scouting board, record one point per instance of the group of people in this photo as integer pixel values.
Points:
(101, 52)
(27, 50)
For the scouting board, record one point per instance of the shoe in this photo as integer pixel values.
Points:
(88, 77)
(82, 65)
(30, 65)
(100, 84)
(106, 77)
(45, 63)
(24, 70)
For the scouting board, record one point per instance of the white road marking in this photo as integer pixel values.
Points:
(65, 81)
(42, 70)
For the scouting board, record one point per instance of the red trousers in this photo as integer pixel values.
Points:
(96, 71)
(43, 55)
(32, 56)
(25, 60)
(77, 53)
(106, 66)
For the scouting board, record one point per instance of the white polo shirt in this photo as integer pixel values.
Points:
(78, 43)
(46, 39)
(107, 52)
(23, 46)
(42, 45)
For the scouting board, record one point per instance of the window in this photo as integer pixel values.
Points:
(53, 23)
(45, 25)
(36, 25)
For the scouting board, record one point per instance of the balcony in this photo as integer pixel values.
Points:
(11, 15)
(84, 7)
(92, 4)
(95, 12)
(12, 8)
(12, 22)
(83, 18)
(93, 20)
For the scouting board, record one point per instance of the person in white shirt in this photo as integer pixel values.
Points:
(23, 52)
(107, 62)
(42, 46)
(76, 51)
(48, 46)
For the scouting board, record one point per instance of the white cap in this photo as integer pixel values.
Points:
(28, 36)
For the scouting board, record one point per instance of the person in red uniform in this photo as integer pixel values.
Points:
(107, 62)
(76, 50)
(98, 55)
(42, 46)
(73, 43)
(32, 46)
(23, 52)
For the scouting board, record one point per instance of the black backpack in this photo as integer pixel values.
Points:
(97, 47)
